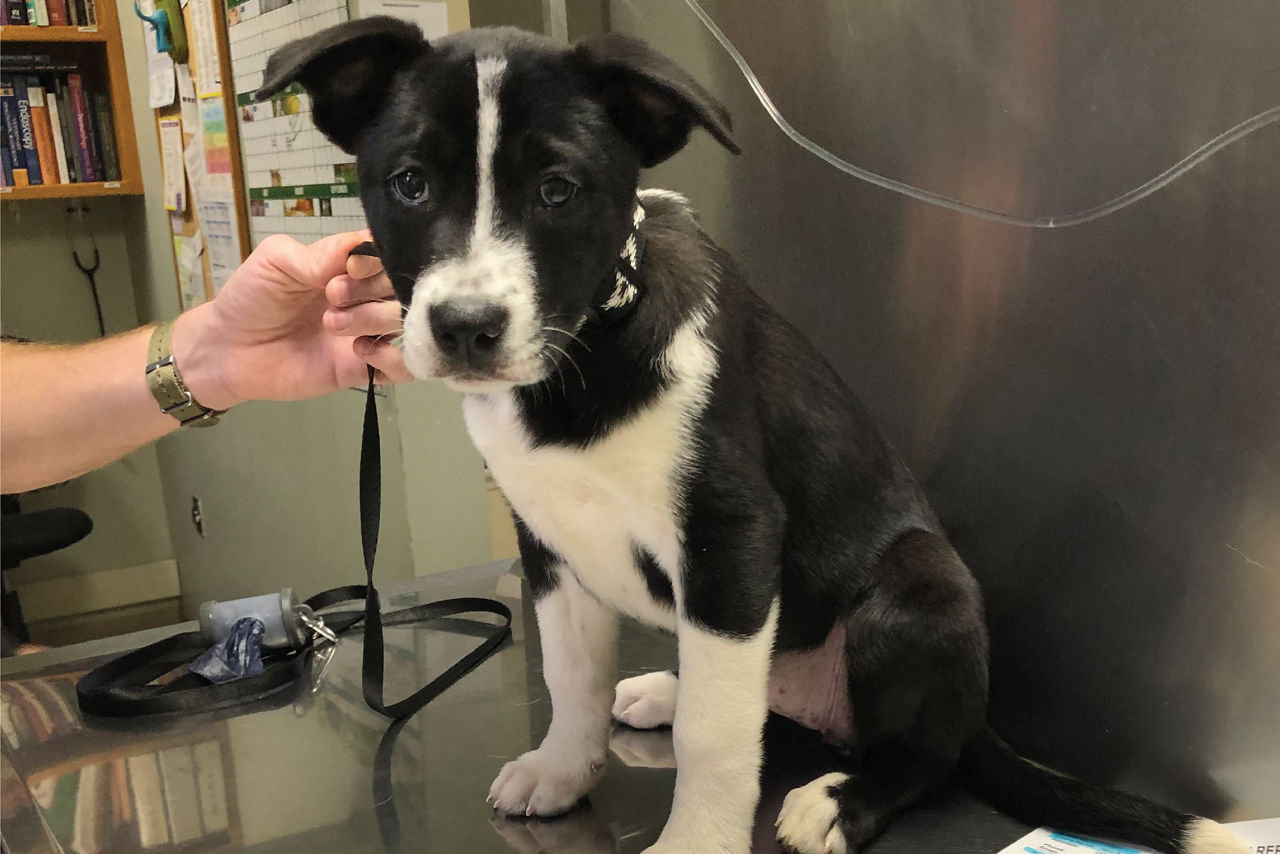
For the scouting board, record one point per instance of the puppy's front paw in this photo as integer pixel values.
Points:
(647, 701)
(542, 783)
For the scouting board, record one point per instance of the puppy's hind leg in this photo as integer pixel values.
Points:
(916, 660)
(647, 701)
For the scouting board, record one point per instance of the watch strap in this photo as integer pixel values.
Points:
(166, 385)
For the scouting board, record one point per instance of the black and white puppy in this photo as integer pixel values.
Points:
(674, 450)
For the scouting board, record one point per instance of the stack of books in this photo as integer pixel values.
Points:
(57, 128)
(50, 13)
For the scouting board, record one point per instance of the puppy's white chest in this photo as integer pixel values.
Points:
(595, 506)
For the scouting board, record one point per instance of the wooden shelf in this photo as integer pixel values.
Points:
(100, 54)
(71, 191)
(51, 35)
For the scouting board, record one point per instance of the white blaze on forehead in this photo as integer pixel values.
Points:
(489, 71)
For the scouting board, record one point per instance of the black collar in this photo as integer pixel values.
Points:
(624, 291)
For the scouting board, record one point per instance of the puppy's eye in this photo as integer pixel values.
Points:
(557, 190)
(410, 186)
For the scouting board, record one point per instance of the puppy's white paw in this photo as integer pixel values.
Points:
(647, 701)
(807, 822)
(542, 784)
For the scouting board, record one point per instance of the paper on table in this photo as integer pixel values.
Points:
(187, 95)
(1262, 836)
(433, 17)
(221, 225)
(204, 41)
(175, 183)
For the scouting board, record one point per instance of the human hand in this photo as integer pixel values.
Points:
(294, 321)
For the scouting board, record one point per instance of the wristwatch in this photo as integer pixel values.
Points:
(165, 381)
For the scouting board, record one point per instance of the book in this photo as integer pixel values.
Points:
(95, 137)
(81, 126)
(41, 18)
(15, 12)
(212, 786)
(6, 180)
(26, 133)
(58, 16)
(68, 131)
(56, 126)
(42, 132)
(182, 803)
(107, 137)
(9, 111)
(86, 819)
(90, 14)
(148, 800)
(31, 12)
(24, 61)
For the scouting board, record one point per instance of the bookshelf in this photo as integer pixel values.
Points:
(98, 52)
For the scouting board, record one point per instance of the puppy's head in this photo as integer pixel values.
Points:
(498, 172)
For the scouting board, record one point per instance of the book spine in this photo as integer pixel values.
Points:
(42, 132)
(55, 127)
(73, 13)
(80, 115)
(42, 13)
(26, 132)
(58, 13)
(90, 13)
(15, 12)
(9, 109)
(6, 165)
(68, 131)
(107, 137)
(31, 12)
(95, 138)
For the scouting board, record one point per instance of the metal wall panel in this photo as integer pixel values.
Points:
(1095, 411)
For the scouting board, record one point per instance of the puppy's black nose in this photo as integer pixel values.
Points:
(468, 331)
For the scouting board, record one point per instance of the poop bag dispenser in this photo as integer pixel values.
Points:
(239, 630)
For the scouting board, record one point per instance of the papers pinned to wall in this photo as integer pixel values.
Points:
(432, 17)
(175, 182)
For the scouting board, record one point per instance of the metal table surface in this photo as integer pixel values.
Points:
(299, 772)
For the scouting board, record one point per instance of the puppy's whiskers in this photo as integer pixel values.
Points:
(568, 335)
(572, 361)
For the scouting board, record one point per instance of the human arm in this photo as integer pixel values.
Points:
(293, 321)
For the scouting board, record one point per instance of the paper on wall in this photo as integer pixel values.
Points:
(193, 157)
(175, 183)
(1262, 836)
(221, 226)
(204, 40)
(160, 84)
(187, 96)
(191, 271)
(217, 142)
(433, 17)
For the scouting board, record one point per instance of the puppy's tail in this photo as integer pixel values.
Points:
(991, 769)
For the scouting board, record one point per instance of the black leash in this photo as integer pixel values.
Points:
(126, 686)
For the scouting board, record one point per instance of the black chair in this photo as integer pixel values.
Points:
(26, 535)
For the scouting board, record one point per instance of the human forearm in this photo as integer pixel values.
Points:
(71, 408)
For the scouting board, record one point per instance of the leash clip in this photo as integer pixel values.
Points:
(315, 622)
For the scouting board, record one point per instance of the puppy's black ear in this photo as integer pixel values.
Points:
(347, 71)
(652, 100)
